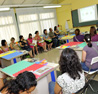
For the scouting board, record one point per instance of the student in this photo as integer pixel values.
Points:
(13, 45)
(53, 37)
(24, 83)
(56, 31)
(47, 39)
(2, 77)
(72, 78)
(30, 42)
(89, 52)
(93, 33)
(4, 46)
(78, 37)
(39, 43)
(24, 45)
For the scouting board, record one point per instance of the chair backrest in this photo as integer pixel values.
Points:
(94, 60)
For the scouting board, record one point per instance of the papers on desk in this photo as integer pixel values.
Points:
(42, 70)
(7, 53)
(70, 44)
(37, 69)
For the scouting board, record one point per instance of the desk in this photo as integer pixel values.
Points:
(72, 45)
(68, 37)
(43, 81)
(11, 57)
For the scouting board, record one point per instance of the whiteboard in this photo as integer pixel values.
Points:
(87, 14)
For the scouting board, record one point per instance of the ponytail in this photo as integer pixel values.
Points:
(87, 38)
(89, 44)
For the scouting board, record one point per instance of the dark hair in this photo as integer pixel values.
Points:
(78, 32)
(23, 81)
(70, 63)
(30, 35)
(36, 32)
(94, 32)
(87, 38)
(12, 38)
(3, 42)
(20, 37)
(55, 28)
(44, 31)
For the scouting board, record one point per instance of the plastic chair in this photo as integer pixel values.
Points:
(94, 60)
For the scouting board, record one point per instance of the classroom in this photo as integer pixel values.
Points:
(48, 47)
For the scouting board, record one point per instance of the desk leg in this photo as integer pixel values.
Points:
(42, 87)
(53, 76)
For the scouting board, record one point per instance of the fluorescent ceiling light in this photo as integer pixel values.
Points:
(54, 6)
(4, 9)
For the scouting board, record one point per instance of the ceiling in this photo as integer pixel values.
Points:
(27, 2)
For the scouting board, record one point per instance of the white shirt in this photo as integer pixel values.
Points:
(69, 85)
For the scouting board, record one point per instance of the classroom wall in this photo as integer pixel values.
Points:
(64, 13)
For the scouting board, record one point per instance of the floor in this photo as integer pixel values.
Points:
(52, 56)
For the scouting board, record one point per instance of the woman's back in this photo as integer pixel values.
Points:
(91, 53)
(69, 85)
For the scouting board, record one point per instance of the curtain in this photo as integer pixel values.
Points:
(8, 27)
(35, 19)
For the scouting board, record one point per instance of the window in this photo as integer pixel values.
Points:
(8, 27)
(31, 20)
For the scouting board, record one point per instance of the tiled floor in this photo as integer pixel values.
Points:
(52, 56)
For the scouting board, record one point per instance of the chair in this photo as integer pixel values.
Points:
(94, 60)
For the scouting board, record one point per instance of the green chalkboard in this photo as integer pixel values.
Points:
(75, 20)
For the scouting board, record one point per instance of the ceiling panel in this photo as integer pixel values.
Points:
(31, 1)
(16, 2)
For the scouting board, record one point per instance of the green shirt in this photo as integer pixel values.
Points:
(51, 34)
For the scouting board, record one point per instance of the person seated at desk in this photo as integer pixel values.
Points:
(78, 37)
(31, 44)
(53, 37)
(72, 78)
(13, 45)
(24, 45)
(4, 46)
(90, 51)
(24, 83)
(56, 32)
(2, 77)
(40, 42)
(93, 33)
(47, 39)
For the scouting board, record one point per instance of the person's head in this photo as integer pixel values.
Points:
(36, 32)
(70, 63)
(3, 42)
(55, 28)
(24, 82)
(30, 36)
(21, 37)
(50, 29)
(77, 32)
(87, 39)
(45, 31)
(12, 39)
(93, 31)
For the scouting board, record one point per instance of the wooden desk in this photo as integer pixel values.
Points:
(11, 57)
